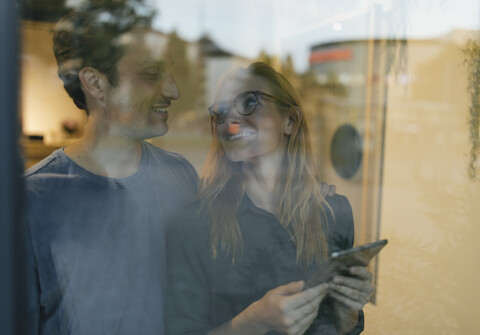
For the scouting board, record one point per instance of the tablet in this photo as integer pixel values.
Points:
(339, 262)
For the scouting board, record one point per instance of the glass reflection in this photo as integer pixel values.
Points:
(401, 73)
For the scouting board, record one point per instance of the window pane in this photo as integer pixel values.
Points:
(389, 90)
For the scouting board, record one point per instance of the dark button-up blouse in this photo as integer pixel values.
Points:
(203, 292)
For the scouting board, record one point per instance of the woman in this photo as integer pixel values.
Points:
(239, 258)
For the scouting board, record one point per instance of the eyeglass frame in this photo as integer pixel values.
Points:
(215, 117)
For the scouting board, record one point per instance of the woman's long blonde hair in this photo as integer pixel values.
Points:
(302, 209)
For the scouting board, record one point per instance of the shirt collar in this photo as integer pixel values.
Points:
(247, 205)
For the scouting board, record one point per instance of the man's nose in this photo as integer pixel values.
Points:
(169, 88)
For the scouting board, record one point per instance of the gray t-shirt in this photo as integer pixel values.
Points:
(97, 245)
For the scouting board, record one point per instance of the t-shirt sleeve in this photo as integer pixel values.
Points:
(187, 298)
(190, 174)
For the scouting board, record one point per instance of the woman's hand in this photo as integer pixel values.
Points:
(351, 294)
(286, 309)
(354, 292)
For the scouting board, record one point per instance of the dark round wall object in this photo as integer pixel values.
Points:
(346, 151)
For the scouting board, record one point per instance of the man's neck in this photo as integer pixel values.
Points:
(103, 154)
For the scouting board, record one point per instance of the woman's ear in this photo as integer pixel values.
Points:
(293, 120)
(93, 82)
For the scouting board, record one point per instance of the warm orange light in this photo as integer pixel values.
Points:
(331, 55)
(234, 128)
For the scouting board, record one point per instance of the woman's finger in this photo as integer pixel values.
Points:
(306, 297)
(360, 296)
(317, 291)
(353, 283)
(289, 289)
(306, 309)
(349, 303)
(302, 326)
(361, 272)
(303, 318)
(301, 309)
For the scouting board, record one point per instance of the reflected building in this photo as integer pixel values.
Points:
(412, 107)
(353, 79)
(217, 62)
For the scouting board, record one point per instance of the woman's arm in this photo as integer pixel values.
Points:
(286, 309)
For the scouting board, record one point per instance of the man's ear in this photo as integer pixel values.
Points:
(293, 120)
(93, 82)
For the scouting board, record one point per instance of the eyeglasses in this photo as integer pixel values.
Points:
(245, 104)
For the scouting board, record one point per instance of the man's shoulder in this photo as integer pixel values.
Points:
(54, 172)
(172, 168)
(165, 154)
(169, 159)
(51, 166)
(44, 165)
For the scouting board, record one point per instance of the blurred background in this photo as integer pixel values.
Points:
(391, 92)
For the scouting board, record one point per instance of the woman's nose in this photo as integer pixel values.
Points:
(232, 115)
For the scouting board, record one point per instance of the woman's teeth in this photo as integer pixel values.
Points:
(240, 135)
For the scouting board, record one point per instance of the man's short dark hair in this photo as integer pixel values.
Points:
(90, 36)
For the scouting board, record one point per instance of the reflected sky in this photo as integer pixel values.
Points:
(285, 26)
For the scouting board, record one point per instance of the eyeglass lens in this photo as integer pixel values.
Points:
(244, 104)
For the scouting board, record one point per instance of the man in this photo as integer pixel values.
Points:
(97, 209)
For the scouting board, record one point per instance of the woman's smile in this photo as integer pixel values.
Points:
(240, 135)
(257, 135)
